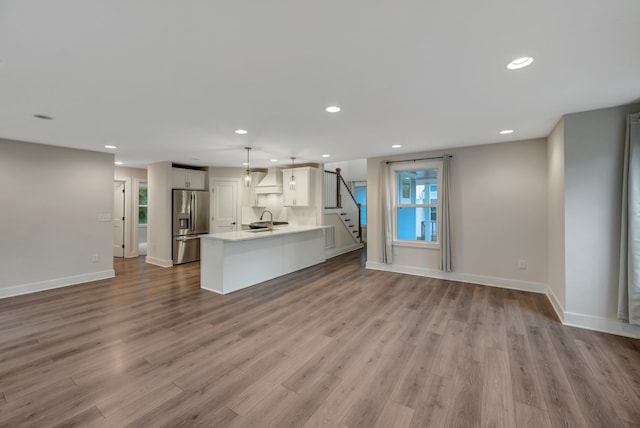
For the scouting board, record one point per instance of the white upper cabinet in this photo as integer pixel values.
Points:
(188, 179)
(302, 194)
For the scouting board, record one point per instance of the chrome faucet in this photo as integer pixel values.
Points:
(271, 216)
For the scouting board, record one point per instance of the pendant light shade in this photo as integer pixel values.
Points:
(247, 173)
(292, 180)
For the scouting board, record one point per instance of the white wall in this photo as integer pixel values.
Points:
(499, 216)
(49, 222)
(159, 239)
(132, 178)
(355, 170)
(594, 143)
(555, 231)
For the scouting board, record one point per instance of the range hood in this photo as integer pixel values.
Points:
(271, 183)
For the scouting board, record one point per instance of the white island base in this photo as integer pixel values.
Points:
(231, 261)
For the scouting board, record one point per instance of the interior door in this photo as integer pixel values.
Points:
(118, 219)
(224, 205)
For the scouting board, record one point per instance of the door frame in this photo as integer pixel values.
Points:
(123, 214)
(238, 201)
(129, 219)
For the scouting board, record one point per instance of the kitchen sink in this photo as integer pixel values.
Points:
(261, 229)
(257, 225)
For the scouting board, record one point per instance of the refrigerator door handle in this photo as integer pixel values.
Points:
(191, 212)
(186, 238)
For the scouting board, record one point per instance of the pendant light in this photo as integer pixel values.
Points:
(247, 173)
(292, 180)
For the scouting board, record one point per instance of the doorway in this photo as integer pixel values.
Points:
(224, 205)
(118, 218)
(142, 217)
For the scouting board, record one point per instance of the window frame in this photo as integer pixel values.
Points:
(415, 166)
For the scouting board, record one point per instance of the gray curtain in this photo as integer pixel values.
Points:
(445, 221)
(629, 277)
(385, 195)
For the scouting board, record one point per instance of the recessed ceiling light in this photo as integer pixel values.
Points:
(245, 163)
(274, 160)
(118, 163)
(506, 131)
(519, 63)
(110, 147)
(332, 109)
(42, 116)
(326, 156)
(241, 131)
(396, 146)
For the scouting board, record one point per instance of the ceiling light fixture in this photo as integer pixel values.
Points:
(42, 116)
(396, 146)
(292, 180)
(506, 131)
(332, 109)
(520, 63)
(274, 160)
(326, 156)
(241, 131)
(110, 147)
(247, 173)
(118, 163)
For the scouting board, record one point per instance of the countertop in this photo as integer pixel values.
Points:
(245, 235)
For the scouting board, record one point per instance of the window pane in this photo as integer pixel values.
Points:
(418, 187)
(142, 215)
(363, 214)
(360, 194)
(417, 224)
(142, 194)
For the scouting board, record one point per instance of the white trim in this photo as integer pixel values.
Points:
(604, 325)
(343, 250)
(158, 262)
(553, 299)
(50, 284)
(534, 287)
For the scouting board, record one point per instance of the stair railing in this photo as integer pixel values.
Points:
(334, 188)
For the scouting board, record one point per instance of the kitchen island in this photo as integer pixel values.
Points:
(230, 261)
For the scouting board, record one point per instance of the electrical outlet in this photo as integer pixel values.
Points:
(94, 258)
(522, 264)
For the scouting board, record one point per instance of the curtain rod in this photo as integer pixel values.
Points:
(419, 159)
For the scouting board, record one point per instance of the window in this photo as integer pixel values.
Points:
(360, 193)
(142, 203)
(416, 203)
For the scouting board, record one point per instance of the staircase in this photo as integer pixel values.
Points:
(353, 227)
(337, 196)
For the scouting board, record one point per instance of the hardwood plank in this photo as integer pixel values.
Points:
(531, 417)
(497, 395)
(434, 402)
(394, 415)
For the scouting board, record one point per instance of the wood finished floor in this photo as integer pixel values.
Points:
(334, 345)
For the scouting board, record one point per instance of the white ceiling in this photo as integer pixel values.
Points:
(172, 80)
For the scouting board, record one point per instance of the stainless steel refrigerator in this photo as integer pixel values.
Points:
(190, 220)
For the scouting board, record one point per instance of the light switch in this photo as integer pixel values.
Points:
(104, 217)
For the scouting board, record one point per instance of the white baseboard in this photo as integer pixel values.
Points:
(158, 262)
(604, 325)
(534, 287)
(34, 287)
(555, 303)
(336, 252)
